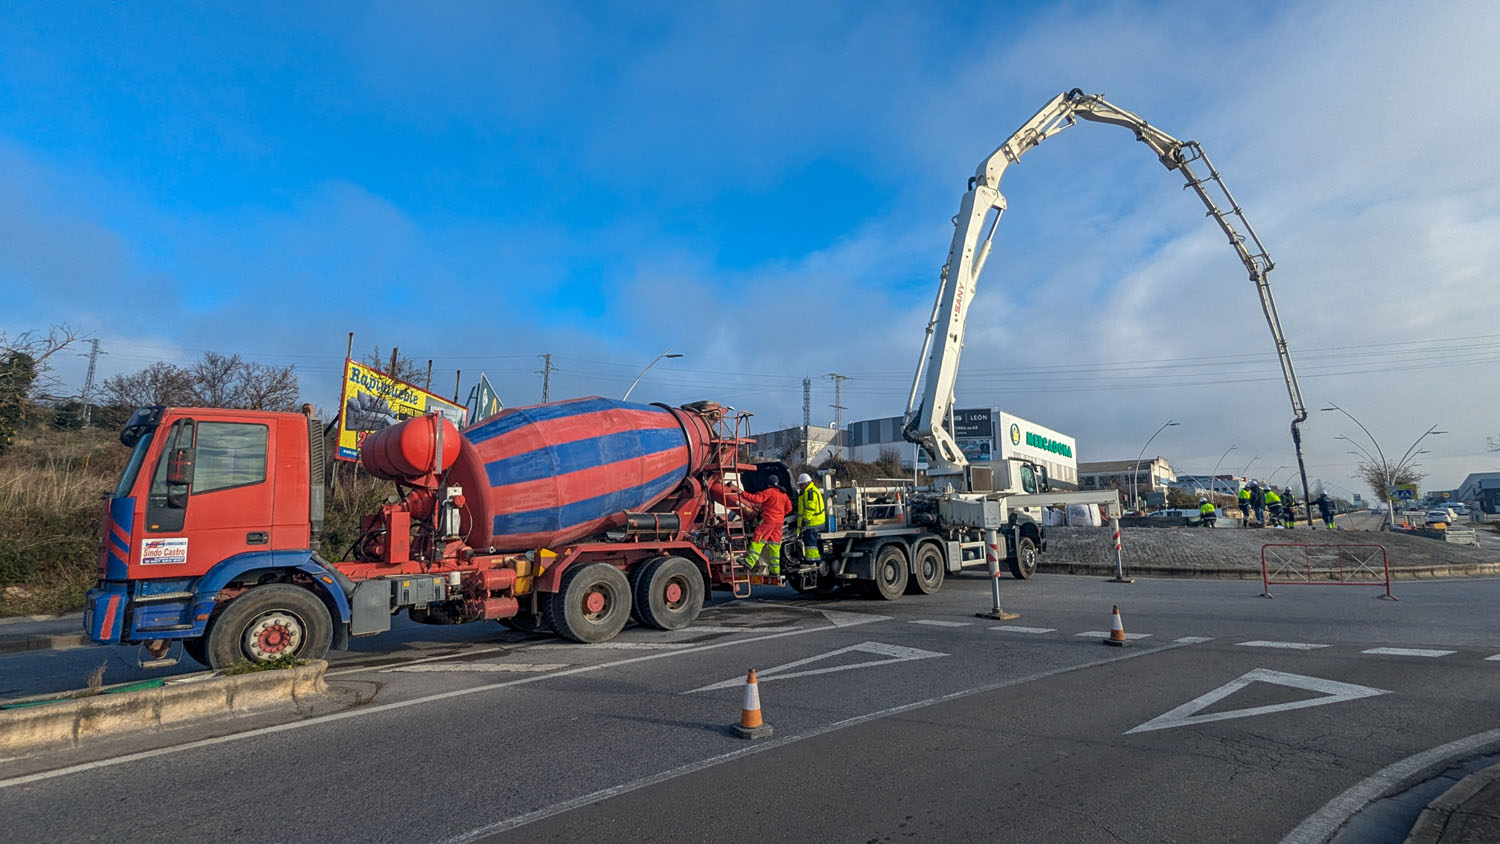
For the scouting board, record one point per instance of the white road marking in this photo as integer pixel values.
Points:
(930, 623)
(616, 646)
(1495, 658)
(893, 654)
(1193, 640)
(1322, 824)
(603, 794)
(1332, 690)
(721, 628)
(386, 707)
(418, 661)
(481, 667)
(1294, 646)
(1104, 634)
(1407, 652)
(1012, 628)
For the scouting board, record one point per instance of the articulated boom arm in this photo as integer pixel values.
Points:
(974, 233)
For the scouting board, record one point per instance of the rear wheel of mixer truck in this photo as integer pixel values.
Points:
(668, 593)
(592, 604)
(275, 621)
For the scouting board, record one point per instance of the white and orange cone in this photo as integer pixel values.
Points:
(751, 726)
(1116, 631)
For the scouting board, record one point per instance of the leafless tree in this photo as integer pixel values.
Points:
(39, 347)
(215, 381)
(1373, 474)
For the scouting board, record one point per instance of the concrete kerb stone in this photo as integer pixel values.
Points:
(74, 722)
(1478, 792)
(1149, 570)
(18, 644)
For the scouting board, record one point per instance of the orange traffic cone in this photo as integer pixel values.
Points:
(750, 725)
(1116, 631)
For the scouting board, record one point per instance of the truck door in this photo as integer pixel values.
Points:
(210, 498)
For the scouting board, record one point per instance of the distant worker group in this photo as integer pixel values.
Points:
(1278, 509)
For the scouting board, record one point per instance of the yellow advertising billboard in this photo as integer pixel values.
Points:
(372, 400)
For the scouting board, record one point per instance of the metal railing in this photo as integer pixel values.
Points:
(1296, 564)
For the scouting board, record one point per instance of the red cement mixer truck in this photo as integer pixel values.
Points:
(575, 515)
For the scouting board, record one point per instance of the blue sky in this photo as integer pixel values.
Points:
(766, 188)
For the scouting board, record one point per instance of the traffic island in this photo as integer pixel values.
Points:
(59, 722)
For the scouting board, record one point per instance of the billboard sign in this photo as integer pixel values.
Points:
(486, 400)
(372, 400)
(973, 424)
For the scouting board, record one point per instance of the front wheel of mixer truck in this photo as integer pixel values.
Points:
(275, 621)
(592, 605)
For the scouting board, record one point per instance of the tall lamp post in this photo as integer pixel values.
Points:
(1213, 477)
(1385, 467)
(667, 354)
(1135, 475)
(1245, 472)
(1273, 474)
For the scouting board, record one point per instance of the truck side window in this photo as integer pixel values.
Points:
(229, 454)
(161, 515)
(1028, 479)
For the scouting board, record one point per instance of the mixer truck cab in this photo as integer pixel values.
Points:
(210, 503)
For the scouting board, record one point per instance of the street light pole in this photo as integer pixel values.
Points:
(1244, 473)
(1385, 466)
(667, 354)
(1134, 497)
(1214, 475)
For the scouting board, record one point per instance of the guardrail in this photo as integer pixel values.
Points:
(1297, 564)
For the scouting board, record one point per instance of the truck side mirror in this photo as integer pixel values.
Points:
(1044, 484)
(180, 467)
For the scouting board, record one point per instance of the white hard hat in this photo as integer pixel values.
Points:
(1202, 500)
(804, 478)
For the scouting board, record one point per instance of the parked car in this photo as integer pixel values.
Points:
(1459, 509)
(1440, 517)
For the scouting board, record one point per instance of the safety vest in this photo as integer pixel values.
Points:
(1272, 497)
(1206, 508)
(811, 511)
(1244, 494)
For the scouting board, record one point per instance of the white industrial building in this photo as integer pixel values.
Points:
(794, 446)
(986, 435)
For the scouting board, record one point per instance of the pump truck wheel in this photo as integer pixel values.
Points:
(1023, 564)
(593, 604)
(890, 574)
(269, 622)
(668, 594)
(927, 570)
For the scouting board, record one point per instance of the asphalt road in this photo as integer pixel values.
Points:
(911, 720)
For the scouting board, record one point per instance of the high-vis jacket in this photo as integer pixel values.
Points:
(811, 511)
(1206, 508)
(773, 505)
(1245, 495)
(1272, 497)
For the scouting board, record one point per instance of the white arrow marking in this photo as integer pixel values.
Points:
(1332, 691)
(892, 653)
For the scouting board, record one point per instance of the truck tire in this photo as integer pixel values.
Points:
(196, 648)
(269, 622)
(890, 574)
(927, 570)
(669, 594)
(525, 622)
(1023, 564)
(592, 606)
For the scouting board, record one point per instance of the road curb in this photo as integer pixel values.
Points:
(60, 642)
(1434, 822)
(76, 722)
(22, 619)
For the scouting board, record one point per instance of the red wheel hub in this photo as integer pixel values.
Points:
(595, 602)
(674, 592)
(273, 639)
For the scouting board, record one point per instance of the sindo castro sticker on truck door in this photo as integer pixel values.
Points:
(164, 552)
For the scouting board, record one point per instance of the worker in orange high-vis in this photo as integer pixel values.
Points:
(774, 505)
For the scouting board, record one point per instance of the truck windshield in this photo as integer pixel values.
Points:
(133, 468)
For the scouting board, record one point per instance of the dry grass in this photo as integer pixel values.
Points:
(50, 488)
